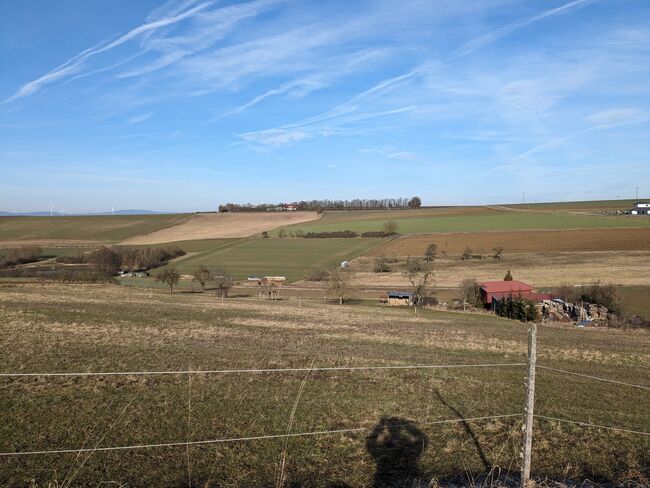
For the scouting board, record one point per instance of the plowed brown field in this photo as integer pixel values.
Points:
(574, 240)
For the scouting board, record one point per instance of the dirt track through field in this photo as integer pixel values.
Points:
(223, 225)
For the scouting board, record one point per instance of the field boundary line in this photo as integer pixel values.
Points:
(588, 424)
(643, 387)
(261, 370)
(242, 439)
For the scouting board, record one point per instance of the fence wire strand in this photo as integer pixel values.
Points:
(588, 424)
(242, 439)
(642, 387)
(261, 370)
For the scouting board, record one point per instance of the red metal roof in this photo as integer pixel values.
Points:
(505, 286)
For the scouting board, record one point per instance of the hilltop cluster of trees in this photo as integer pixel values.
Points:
(320, 205)
(20, 255)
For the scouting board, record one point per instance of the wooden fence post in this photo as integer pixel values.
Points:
(530, 405)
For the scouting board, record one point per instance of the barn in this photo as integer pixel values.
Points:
(492, 291)
(495, 290)
(397, 298)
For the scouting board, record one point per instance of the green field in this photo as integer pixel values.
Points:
(277, 257)
(59, 328)
(636, 300)
(104, 228)
(582, 205)
(423, 222)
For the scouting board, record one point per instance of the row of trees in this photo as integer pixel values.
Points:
(111, 259)
(388, 229)
(21, 255)
(320, 205)
(203, 276)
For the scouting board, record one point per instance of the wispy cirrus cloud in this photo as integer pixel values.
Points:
(75, 64)
(136, 119)
(496, 34)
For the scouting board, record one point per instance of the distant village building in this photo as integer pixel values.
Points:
(640, 208)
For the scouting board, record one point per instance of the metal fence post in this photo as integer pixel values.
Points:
(530, 405)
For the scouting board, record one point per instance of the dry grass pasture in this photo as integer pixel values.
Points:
(538, 269)
(59, 328)
(223, 225)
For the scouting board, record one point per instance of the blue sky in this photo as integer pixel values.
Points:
(185, 104)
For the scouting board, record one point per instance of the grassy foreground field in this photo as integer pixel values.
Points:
(465, 220)
(103, 228)
(54, 328)
(286, 257)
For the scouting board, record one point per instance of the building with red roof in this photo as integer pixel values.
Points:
(491, 290)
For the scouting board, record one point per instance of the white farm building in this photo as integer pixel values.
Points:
(640, 208)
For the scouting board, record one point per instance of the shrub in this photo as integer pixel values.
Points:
(381, 265)
(332, 234)
(390, 227)
(602, 294)
(317, 274)
(379, 233)
(518, 308)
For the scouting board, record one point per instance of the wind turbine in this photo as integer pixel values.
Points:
(61, 210)
(51, 210)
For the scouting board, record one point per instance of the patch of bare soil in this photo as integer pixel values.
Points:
(223, 225)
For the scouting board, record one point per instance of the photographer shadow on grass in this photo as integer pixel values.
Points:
(396, 445)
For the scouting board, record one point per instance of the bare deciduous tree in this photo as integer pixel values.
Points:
(467, 253)
(420, 275)
(390, 228)
(170, 277)
(339, 283)
(431, 252)
(223, 283)
(469, 292)
(497, 253)
(381, 264)
(201, 276)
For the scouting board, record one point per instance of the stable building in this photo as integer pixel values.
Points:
(397, 299)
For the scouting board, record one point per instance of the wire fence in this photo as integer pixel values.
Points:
(288, 435)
